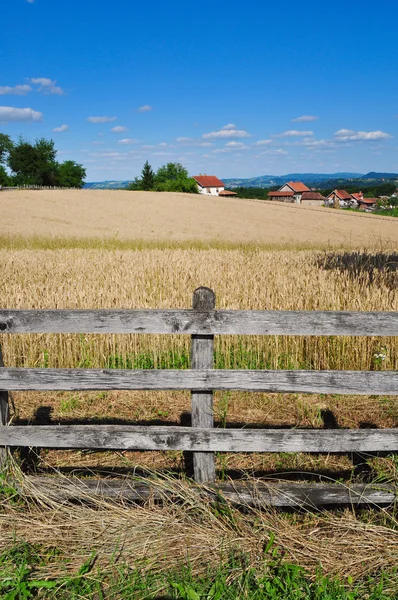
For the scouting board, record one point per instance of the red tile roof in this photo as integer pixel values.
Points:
(208, 180)
(280, 194)
(312, 196)
(367, 200)
(342, 194)
(227, 193)
(297, 186)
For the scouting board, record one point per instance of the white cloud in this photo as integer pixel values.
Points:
(119, 129)
(344, 135)
(17, 90)
(296, 133)
(145, 108)
(9, 114)
(229, 126)
(305, 119)
(193, 142)
(101, 119)
(277, 152)
(226, 133)
(61, 128)
(46, 85)
(127, 141)
(263, 142)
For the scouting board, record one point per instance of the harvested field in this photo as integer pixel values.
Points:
(250, 279)
(171, 217)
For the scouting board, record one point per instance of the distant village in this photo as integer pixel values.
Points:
(295, 192)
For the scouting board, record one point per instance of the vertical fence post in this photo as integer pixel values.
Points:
(204, 299)
(4, 415)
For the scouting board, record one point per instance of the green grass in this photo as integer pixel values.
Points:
(275, 580)
(15, 242)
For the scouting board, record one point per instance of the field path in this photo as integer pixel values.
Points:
(153, 216)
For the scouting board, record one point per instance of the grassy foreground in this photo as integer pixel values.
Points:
(190, 548)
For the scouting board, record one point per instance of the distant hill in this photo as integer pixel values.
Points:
(373, 175)
(266, 181)
(317, 180)
(107, 185)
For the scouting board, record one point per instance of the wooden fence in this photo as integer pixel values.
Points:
(203, 322)
(36, 187)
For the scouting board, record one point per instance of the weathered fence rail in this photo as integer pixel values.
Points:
(202, 322)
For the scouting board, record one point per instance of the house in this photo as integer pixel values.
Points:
(211, 186)
(365, 203)
(343, 198)
(297, 192)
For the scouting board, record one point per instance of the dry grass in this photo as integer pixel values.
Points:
(193, 529)
(175, 217)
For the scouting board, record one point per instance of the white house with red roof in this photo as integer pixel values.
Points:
(342, 197)
(298, 193)
(211, 186)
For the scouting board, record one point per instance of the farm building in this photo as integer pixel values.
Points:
(298, 193)
(211, 186)
(342, 197)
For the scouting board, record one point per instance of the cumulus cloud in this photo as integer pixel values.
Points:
(230, 147)
(345, 135)
(296, 133)
(278, 152)
(101, 119)
(228, 131)
(9, 114)
(145, 108)
(61, 129)
(118, 129)
(46, 85)
(263, 142)
(187, 141)
(305, 119)
(16, 90)
(127, 141)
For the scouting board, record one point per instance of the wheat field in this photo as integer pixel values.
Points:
(242, 279)
(170, 217)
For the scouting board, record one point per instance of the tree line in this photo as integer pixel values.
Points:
(168, 178)
(36, 164)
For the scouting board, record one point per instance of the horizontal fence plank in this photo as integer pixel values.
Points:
(294, 495)
(130, 437)
(325, 382)
(217, 322)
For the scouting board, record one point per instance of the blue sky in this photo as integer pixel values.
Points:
(235, 89)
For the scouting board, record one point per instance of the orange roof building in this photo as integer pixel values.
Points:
(210, 185)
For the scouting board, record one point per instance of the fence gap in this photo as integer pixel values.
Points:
(204, 299)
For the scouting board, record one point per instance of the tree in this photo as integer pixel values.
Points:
(70, 174)
(147, 177)
(6, 145)
(5, 179)
(34, 164)
(174, 178)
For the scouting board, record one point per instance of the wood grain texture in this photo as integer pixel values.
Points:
(201, 322)
(202, 357)
(202, 380)
(294, 495)
(131, 437)
(4, 416)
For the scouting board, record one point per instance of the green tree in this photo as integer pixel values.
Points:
(147, 177)
(70, 174)
(6, 146)
(5, 179)
(174, 178)
(34, 164)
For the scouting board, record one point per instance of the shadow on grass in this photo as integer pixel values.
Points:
(378, 267)
(30, 457)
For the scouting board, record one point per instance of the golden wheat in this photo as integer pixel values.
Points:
(251, 279)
